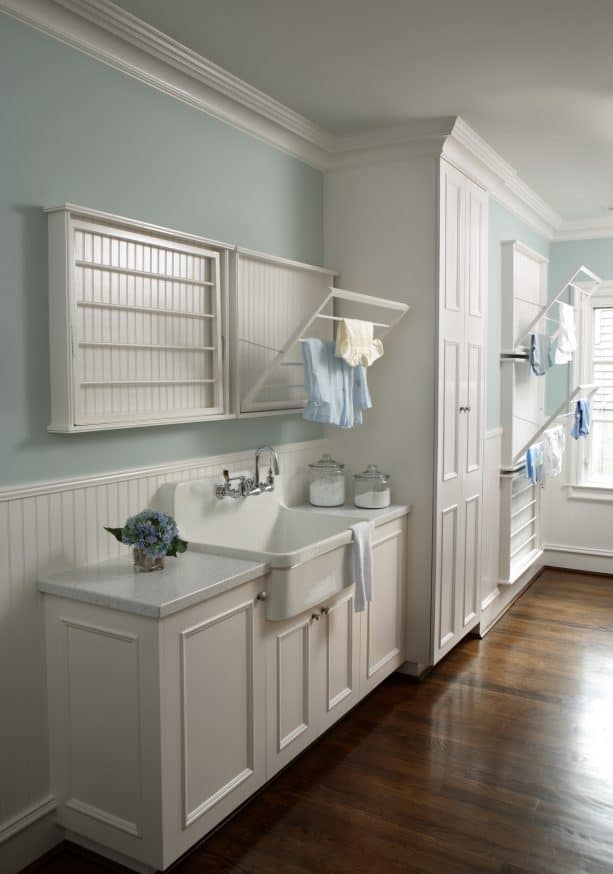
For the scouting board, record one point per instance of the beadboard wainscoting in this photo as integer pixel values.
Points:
(55, 526)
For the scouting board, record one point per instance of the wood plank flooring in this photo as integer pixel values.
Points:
(501, 760)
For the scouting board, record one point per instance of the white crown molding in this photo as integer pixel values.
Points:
(586, 229)
(104, 31)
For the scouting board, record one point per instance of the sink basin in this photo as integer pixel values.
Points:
(306, 553)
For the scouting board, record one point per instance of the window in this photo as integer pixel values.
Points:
(594, 364)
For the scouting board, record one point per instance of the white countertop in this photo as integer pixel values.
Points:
(186, 580)
(379, 517)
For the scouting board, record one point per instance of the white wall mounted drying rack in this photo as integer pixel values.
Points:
(585, 290)
(563, 411)
(332, 296)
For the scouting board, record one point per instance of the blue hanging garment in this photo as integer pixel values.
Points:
(540, 354)
(581, 425)
(337, 392)
(534, 463)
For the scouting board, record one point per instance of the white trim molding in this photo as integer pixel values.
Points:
(110, 34)
(577, 558)
(11, 827)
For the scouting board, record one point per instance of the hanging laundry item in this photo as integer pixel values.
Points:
(540, 354)
(337, 392)
(554, 441)
(581, 425)
(565, 337)
(356, 344)
(534, 463)
(362, 564)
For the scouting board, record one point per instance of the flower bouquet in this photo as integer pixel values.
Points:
(153, 535)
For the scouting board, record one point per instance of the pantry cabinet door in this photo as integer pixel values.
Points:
(212, 664)
(474, 418)
(448, 564)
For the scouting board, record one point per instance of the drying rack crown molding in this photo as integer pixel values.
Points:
(108, 33)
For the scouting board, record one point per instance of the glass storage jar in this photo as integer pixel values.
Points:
(371, 489)
(326, 482)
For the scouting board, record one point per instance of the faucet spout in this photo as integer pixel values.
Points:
(273, 468)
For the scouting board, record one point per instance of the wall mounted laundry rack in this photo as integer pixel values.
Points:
(563, 411)
(521, 352)
(332, 297)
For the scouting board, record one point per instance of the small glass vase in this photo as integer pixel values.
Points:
(143, 563)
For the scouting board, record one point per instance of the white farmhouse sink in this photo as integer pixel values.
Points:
(307, 553)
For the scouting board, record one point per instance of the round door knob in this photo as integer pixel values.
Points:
(261, 596)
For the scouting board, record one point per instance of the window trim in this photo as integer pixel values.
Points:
(581, 372)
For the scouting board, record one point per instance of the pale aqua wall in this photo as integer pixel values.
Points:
(73, 129)
(503, 225)
(565, 258)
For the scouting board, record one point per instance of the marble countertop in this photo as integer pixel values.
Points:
(187, 580)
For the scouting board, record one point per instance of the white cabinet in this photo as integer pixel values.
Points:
(157, 728)
(160, 728)
(460, 409)
(322, 662)
(137, 319)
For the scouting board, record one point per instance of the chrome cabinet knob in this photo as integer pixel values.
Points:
(315, 617)
(325, 611)
(261, 596)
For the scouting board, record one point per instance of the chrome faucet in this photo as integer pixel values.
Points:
(247, 485)
(273, 468)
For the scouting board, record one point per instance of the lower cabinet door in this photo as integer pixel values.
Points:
(383, 621)
(294, 649)
(212, 677)
(339, 688)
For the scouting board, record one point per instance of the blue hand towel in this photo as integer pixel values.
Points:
(540, 354)
(581, 425)
(337, 392)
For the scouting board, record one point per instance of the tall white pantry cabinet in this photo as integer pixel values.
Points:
(410, 225)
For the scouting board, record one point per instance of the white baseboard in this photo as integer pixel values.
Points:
(576, 558)
(10, 827)
(28, 835)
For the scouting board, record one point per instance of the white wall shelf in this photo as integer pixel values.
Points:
(138, 318)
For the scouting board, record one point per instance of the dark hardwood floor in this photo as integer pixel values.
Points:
(501, 760)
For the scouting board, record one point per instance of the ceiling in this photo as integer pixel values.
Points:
(533, 77)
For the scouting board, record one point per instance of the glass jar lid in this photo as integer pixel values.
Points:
(373, 474)
(326, 462)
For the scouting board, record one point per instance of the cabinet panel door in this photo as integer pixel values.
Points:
(294, 681)
(217, 678)
(340, 627)
(212, 675)
(451, 429)
(382, 636)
